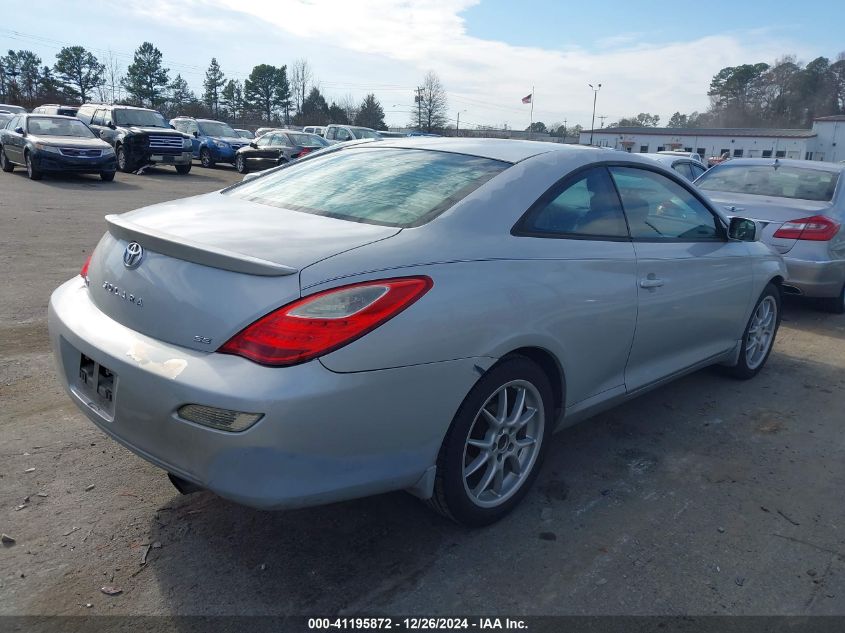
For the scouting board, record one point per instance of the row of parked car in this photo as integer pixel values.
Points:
(132, 138)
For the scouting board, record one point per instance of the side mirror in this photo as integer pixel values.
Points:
(253, 145)
(196, 134)
(111, 125)
(742, 229)
(172, 127)
(20, 130)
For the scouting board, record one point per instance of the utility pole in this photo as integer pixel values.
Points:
(602, 118)
(593, 123)
(458, 125)
(564, 130)
(418, 98)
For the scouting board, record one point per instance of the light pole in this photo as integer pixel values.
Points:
(458, 123)
(593, 123)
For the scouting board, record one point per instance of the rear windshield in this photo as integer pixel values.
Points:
(308, 140)
(48, 126)
(362, 132)
(802, 183)
(385, 186)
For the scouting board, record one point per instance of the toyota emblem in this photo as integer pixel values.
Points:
(133, 255)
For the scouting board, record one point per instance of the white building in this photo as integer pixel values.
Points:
(825, 141)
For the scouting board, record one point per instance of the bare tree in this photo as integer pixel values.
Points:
(300, 82)
(109, 90)
(349, 106)
(431, 104)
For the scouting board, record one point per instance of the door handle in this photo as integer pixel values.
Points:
(651, 282)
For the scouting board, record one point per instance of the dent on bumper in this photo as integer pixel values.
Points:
(325, 436)
(815, 278)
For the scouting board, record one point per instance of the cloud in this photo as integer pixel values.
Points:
(389, 45)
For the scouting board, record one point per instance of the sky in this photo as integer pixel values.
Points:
(649, 56)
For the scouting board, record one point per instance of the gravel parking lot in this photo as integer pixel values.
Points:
(705, 496)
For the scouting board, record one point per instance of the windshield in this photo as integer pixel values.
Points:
(390, 187)
(362, 132)
(245, 134)
(308, 140)
(216, 128)
(49, 126)
(802, 183)
(139, 118)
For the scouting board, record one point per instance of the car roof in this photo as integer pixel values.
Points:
(669, 159)
(786, 162)
(512, 151)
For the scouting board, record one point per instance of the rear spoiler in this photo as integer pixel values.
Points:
(181, 248)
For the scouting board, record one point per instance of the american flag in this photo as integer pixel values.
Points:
(527, 98)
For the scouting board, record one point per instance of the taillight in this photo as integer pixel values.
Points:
(817, 228)
(84, 272)
(325, 321)
(304, 151)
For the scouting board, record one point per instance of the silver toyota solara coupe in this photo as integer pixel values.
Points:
(415, 314)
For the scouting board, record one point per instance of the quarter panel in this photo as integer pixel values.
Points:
(576, 299)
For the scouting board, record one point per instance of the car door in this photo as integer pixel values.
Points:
(98, 125)
(693, 283)
(263, 155)
(12, 140)
(193, 130)
(585, 259)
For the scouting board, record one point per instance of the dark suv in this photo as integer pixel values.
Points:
(139, 136)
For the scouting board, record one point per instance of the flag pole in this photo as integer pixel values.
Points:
(531, 123)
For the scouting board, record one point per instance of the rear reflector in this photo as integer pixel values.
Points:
(84, 272)
(321, 323)
(222, 419)
(817, 228)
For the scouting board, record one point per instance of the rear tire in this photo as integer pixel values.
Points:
(758, 339)
(495, 445)
(836, 305)
(183, 169)
(31, 170)
(240, 164)
(107, 176)
(205, 158)
(5, 163)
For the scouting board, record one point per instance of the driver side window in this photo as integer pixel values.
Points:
(264, 141)
(343, 135)
(658, 208)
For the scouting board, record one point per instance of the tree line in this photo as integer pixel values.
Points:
(784, 94)
(270, 94)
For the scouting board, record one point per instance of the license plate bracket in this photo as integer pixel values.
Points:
(95, 385)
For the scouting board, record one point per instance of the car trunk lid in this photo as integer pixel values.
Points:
(770, 211)
(211, 265)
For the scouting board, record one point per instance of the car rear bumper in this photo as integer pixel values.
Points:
(324, 436)
(814, 278)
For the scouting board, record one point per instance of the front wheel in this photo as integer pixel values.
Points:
(31, 170)
(493, 450)
(205, 158)
(759, 336)
(107, 176)
(240, 164)
(124, 164)
(5, 163)
(183, 169)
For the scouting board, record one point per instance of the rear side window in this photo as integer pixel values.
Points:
(683, 169)
(586, 207)
(385, 186)
(783, 181)
(658, 208)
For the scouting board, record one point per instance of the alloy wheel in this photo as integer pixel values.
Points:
(761, 332)
(503, 443)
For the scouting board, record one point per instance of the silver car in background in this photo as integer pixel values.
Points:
(801, 208)
(689, 168)
(415, 314)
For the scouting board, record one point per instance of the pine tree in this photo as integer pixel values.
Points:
(214, 81)
(146, 79)
(78, 71)
(371, 114)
